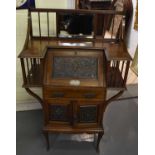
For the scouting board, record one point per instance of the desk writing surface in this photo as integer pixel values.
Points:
(64, 66)
(38, 48)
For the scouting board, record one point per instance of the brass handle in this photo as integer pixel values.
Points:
(58, 94)
(90, 95)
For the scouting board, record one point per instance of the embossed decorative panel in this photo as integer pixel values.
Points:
(58, 113)
(88, 114)
(75, 67)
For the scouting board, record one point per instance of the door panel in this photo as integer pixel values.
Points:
(60, 112)
(88, 113)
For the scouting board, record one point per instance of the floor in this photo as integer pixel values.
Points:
(120, 138)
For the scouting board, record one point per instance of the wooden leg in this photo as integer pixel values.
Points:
(47, 140)
(30, 92)
(98, 140)
(94, 140)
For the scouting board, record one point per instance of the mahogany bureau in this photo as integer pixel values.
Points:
(74, 91)
(74, 72)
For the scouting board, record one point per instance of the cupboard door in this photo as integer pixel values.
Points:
(88, 113)
(59, 112)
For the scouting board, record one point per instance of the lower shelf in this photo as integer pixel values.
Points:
(69, 129)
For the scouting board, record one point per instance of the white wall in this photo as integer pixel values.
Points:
(71, 4)
(132, 34)
(52, 4)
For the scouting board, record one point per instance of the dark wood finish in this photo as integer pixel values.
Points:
(77, 108)
(39, 24)
(74, 53)
(23, 70)
(69, 130)
(117, 51)
(32, 70)
(34, 95)
(98, 25)
(88, 113)
(98, 140)
(78, 11)
(38, 48)
(47, 140)
(108, 5)
(69, 108)
(117, 95)
(99, 5)
(74, 92)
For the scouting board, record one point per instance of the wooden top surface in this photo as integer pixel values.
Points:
(38, 48)
(116, 51)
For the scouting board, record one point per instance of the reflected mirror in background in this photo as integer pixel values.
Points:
(75, 25)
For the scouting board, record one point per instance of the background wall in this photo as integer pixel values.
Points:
(21, 27)
(25, 101)
(51, 3)
(132, 34)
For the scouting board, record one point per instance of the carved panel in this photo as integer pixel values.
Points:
(75, 67)
(88, 114)
(58, 113)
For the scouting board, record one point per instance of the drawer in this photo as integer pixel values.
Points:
(74, 93)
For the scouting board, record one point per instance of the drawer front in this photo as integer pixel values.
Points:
(71, 93)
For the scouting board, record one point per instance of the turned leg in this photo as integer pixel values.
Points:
(47, 140)
(98, 140)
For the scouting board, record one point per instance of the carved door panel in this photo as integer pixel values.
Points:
(88, 113)
(59, 112)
